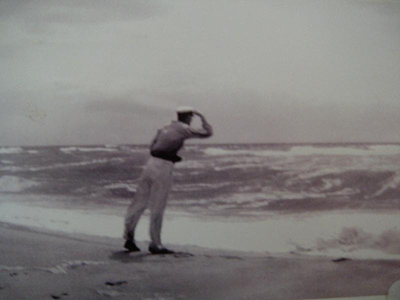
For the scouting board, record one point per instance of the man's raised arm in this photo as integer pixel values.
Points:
(205, 131)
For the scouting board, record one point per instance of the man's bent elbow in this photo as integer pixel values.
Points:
(208, 134)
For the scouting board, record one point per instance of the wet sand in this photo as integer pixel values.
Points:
(52, 265)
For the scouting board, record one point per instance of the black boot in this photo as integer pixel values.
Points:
(131, 246)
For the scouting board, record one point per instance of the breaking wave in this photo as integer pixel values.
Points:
(352, 239)
(33, 151)
(11, 150)
(392, 183)
(88, 149)
(74, 164)
(12, 184)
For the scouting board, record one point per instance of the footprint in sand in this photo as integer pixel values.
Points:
(116, 283)
(110, 292)
(59, 296)
(342, 259)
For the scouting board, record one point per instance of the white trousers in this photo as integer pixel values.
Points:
(152, 191)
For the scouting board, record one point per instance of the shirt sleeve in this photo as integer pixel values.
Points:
(204, 132)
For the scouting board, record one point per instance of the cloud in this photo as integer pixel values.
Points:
(386, 7)
(82, 11)
(263, 71)
(29, 20)
(124, 106)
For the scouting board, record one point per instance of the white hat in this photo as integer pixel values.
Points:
(184, 109)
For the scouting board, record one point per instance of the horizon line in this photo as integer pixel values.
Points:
(200, 143)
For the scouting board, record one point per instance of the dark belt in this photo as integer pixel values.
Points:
(165, 156)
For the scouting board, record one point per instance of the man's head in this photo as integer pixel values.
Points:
(185, 114)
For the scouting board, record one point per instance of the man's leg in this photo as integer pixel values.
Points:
(134, 212)
(158, 202)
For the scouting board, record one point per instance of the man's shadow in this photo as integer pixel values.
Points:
(140, 257)
(129, 257)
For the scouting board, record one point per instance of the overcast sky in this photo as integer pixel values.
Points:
(112, 72)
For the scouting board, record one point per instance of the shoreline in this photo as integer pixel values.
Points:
(351, 234)
(39, 264)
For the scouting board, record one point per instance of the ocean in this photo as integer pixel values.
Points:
(263, 184)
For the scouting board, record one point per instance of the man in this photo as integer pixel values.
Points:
(156, 179)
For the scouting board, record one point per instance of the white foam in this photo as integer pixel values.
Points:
(88, 149)
(61, 220)
(11, 169)
(276, 234)
(272, 194)
(191, 187)
(319, 173)
(129, 187)
(356, 238)
(11, 150)
(392, 183)
(76, 164)
(330, 183)
(238, 166)
(250, 199)
(6, 162)
(191, 147)
(191, 164)
(385, 149)
(33, 151)
(64, 267)
(189, 202)
(15, 184)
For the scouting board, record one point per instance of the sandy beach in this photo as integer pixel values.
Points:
(44, 264)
